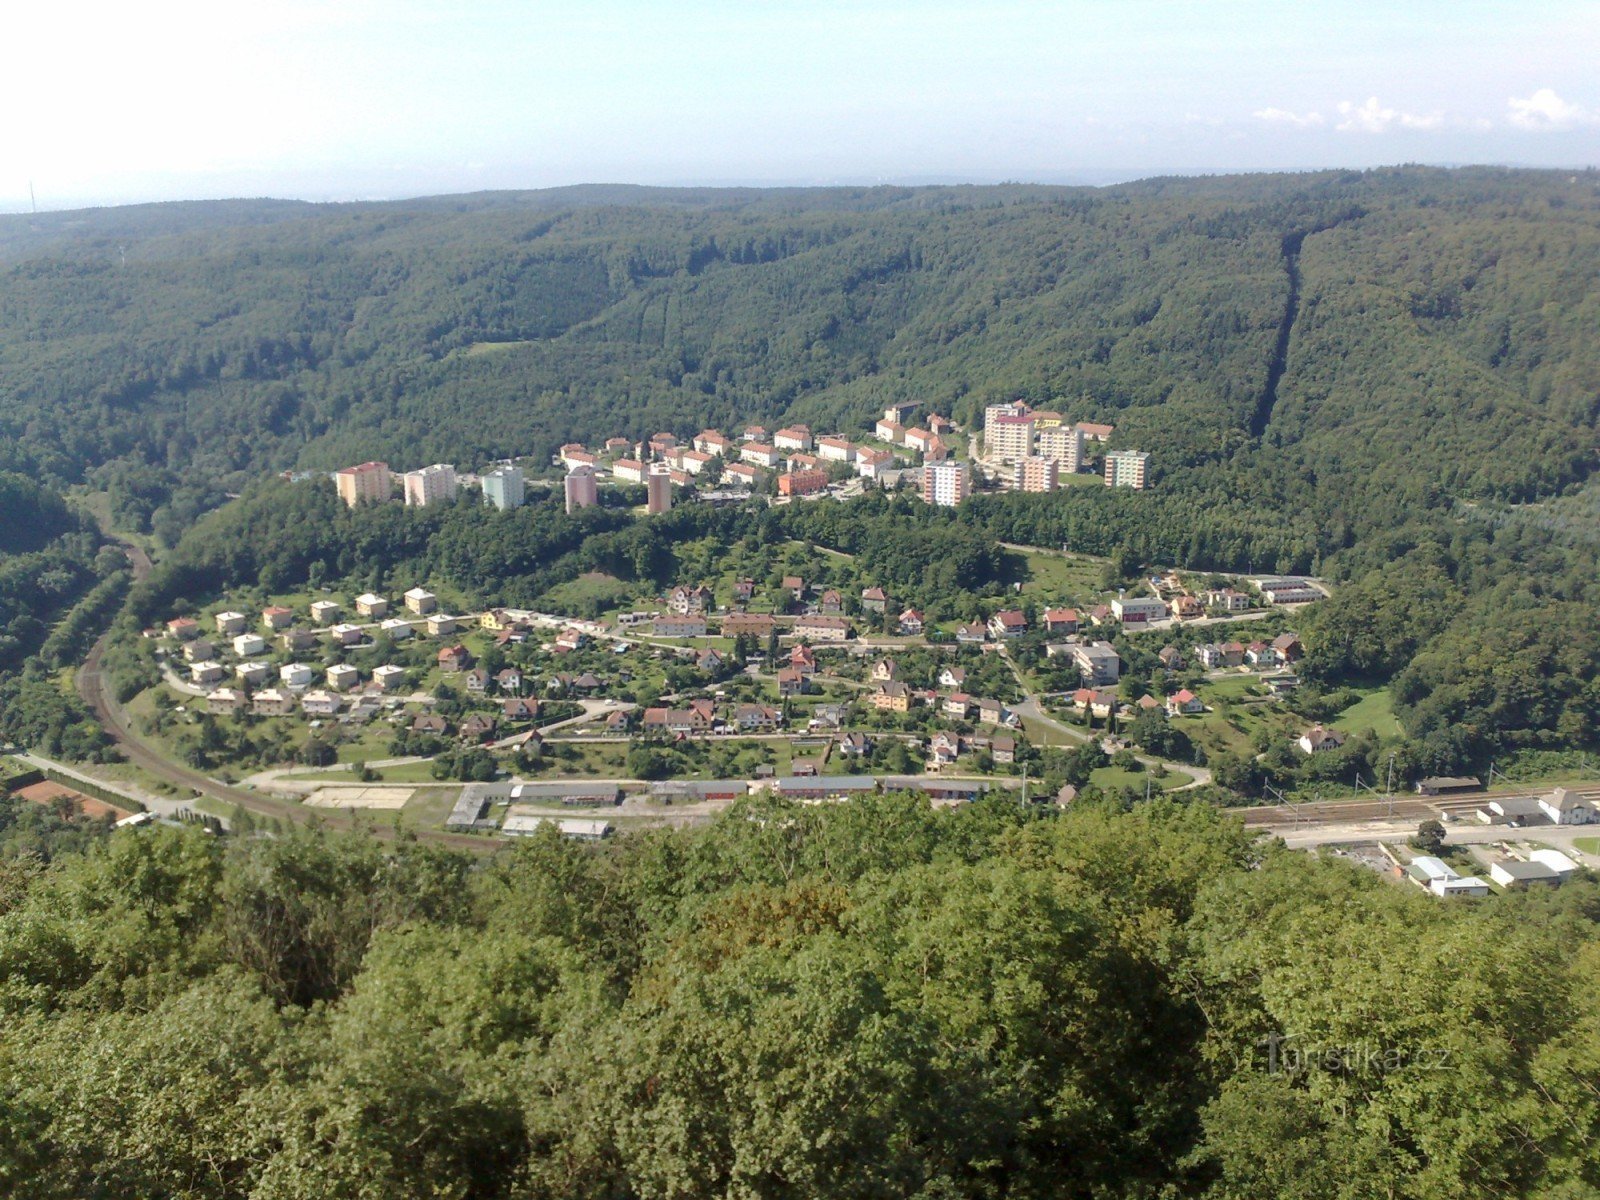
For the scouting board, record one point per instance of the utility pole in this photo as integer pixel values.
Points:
(1390, 788)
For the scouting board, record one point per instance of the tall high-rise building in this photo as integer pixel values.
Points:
(1126, 468)
(1038, 474)
(1008, 432)
(430, 485)
(1064, 444)
(580, 487)
(503, 487)
(658, 488)
(369, 482)
(947, 483)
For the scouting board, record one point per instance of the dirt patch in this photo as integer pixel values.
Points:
(88, 806)
(360, 797)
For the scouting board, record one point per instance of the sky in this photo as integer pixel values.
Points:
(112, 102)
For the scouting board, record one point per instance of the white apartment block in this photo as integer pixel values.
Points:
(1126, 468)
(760, 455)
(836, 449)
(792, 437)
(430, 485)
(1008, 431)
(1064, 445)
(946, 483)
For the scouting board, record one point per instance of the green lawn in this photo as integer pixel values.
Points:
(479, 349)
(1232, 722)
(1375, 711)
(1079, 479)
(1588, 845)
(1041, 734)
(1232, 688)
(1054, 578)
(421, 772)
(605, 593)
(1110, 778)
(429, 806)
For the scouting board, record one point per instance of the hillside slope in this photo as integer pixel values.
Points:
(1315, 344)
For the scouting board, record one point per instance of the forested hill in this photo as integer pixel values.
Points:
(1315, 348)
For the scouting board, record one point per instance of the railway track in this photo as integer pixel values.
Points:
(1399, 808)
(97, 694)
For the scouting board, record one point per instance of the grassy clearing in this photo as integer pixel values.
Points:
(404, 773)
(1232, 688)
(1057, 578)
(1112, 778)
(596, 760)
(1231, 723)
(1374, 711)
(1588, 845)
(372, 742)
(429, 806)
(484, 349)
(591, 593)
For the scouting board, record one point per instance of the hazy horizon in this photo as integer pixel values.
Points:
(1090, 179)
(362, 100)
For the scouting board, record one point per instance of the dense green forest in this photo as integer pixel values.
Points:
(870, 1000)
(59, 586)
(1439, 350)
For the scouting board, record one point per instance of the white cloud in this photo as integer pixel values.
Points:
(1282, 116)
(1373, 117)
(1546, 110)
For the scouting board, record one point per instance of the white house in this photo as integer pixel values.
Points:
(252, 672)
(1138, 610)
(345, 635)
(324, 611)
(836, 449)
(342, 677)
(1184, 701)
(397, 628)
(370, 605)
(421, 601)
(1317, 739)
(389, 677)
(319, 704)
(206, 672)
(230, 623)
(295, 676)
(248, 645)
(1567, 808)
